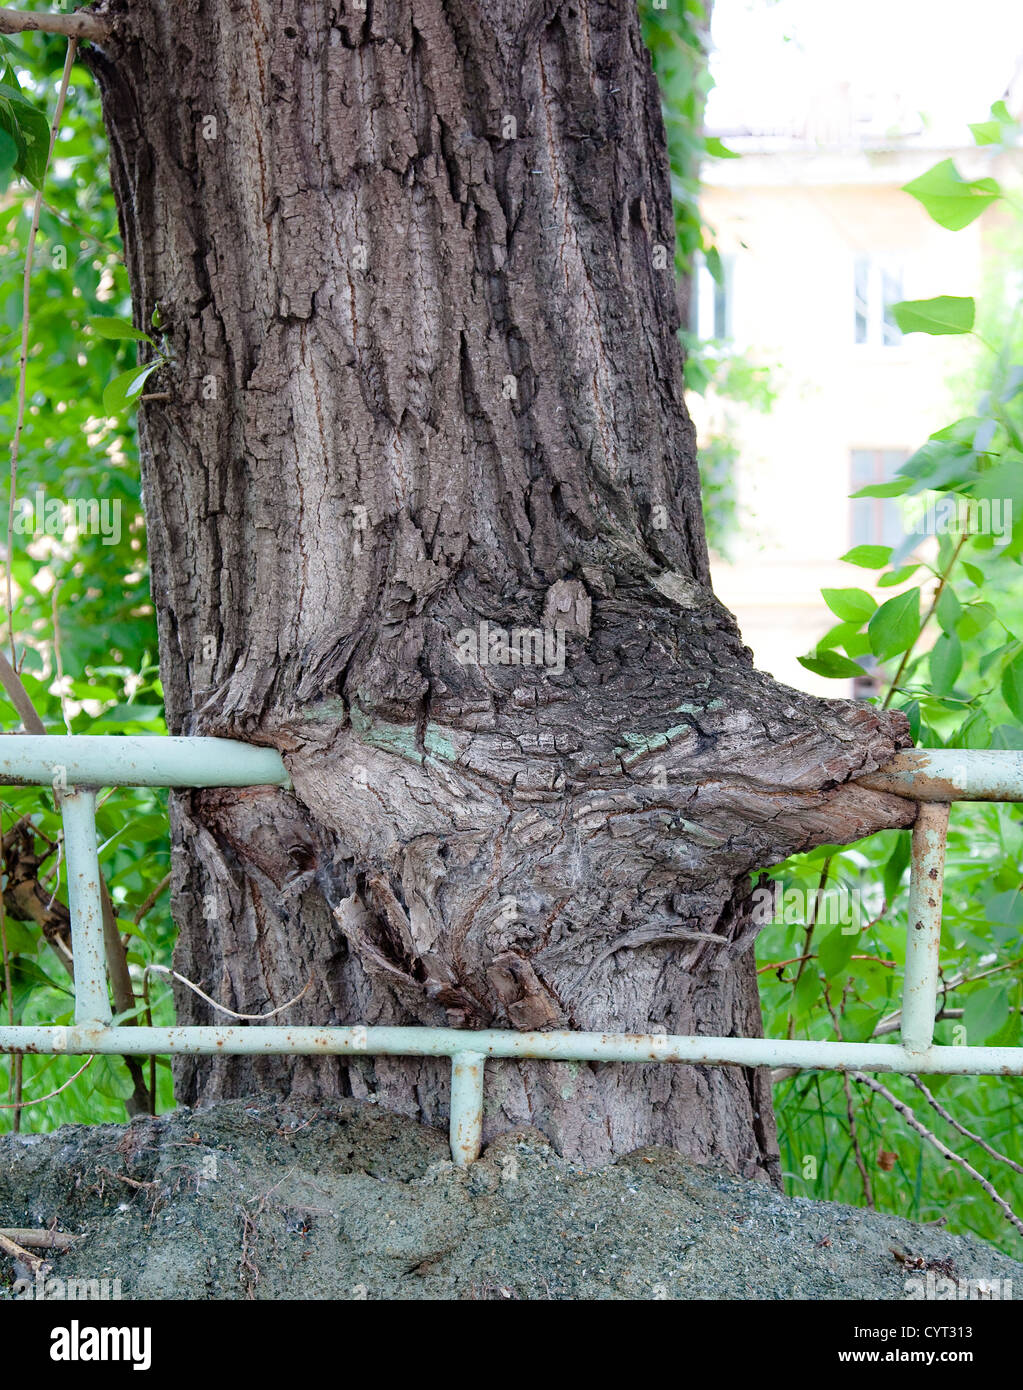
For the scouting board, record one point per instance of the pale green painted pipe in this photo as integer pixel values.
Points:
(88, 950)
(88, 762)
(102, 760)
(923, 774)
(466, 1111)
(563, 1046)
(923, 925)
(951, 774)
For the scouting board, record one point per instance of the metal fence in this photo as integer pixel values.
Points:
(79, 766)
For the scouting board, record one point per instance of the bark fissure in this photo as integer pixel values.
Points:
(427, 386)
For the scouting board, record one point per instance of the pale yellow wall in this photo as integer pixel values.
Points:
(795, 236)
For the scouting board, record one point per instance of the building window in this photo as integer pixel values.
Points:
(878, 285)
(876, 520)
(710, 300)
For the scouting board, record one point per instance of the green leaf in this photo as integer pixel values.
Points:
(1002, 487)
(807, 992)
(976, 617)
(851, 605)
(856, 644)
(124, 388)
(29, 129)
(8, 158)
(20, 941)
(942, 462)
(999, 130)
(896, 866)
(912, 712)
(835, 950)
(896, 625)
(830, 664)
(859, 1022)
(1005, 908)
(29, 970)
(973, 573)
(951, 200)
(838, 636)
(986, 1011)
(893, 489)
(974, 732)
(948, 609)
(946, 660)
(994, 662)
(1013, 383)
(898, 576)
(117, 329)
(110, 1078)
(1012, 686)
(718, 150)
(946, 313)
(868, 557)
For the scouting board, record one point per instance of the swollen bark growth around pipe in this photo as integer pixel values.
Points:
(424, 515)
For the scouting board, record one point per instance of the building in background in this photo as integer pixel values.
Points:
(833, 108)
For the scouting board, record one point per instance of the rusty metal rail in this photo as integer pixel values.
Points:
(77, 766)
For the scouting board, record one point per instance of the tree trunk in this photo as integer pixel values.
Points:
(415, 263)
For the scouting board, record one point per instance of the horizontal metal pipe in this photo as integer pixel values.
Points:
(555, 1047)
(951, 774)
(105, 760)
(924, 774)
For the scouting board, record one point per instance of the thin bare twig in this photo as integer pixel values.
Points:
(76, 26)
(32, 1239)
(850, 1110)
(166, 970)
(57, 659)
(14, 1081)
(85, 236)
(942, 581)
(966, 1133)
(137, 1183)
(24, 1104)
(892, 1022)
(151, 899)
(911, 1119)
(35, 1263)
(12, 683)
(808, 954)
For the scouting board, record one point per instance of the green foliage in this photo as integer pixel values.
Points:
(999, 130)
(947, 651)
(24, 129)
(945, 314)
(950, 199)
(677, 38)
(80, 589)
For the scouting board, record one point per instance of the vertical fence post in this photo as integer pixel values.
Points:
(466, 1106)
(78, 809)
(923, 928)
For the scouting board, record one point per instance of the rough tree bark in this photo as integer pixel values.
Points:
(427, 375)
